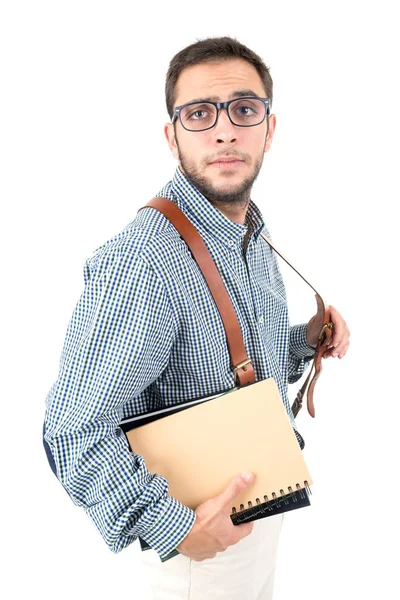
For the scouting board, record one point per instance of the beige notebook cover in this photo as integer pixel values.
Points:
(200, 449)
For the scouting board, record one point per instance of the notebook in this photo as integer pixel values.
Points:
(201, 445)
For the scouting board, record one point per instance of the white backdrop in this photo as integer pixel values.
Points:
(78, 158)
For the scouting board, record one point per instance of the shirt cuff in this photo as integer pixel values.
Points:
(171, 529)
(298, 342)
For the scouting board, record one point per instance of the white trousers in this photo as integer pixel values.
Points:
(244, 571)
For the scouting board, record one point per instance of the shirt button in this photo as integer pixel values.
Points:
(231, 243)
(261, 320)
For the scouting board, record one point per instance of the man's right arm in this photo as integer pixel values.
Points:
(118, 342)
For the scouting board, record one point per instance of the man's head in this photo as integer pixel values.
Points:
(219, 70)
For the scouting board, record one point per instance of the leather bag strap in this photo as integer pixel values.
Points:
(240, 362)
(324, 340)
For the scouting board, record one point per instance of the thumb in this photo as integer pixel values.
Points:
(236, 486)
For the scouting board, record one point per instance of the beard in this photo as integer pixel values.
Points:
(237, 197)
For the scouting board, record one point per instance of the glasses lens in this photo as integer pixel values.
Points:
(198, 116)
(249, 111)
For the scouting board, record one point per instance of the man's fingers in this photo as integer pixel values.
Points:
(341, 334)
(245, 529)
(339, 351)
(339, 325)
(236, 486)
(343, 352)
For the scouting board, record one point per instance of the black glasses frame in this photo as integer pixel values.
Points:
(218, 106)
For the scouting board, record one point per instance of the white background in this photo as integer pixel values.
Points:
(79, 157)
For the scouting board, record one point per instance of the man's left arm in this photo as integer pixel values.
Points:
(304, 339)
(300, 353)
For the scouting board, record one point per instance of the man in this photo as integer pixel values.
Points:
(146, 334)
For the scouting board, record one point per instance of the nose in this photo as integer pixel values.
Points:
(224, 129)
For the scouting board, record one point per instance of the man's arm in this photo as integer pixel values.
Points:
(300, 353)
(118, 342)
(304, 339)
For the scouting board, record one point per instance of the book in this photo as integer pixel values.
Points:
(199, 446)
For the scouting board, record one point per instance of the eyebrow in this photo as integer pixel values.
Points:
(236, 94)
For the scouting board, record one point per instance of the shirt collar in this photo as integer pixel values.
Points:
(208, 218)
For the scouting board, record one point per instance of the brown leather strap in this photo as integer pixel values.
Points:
(325, 337)
(241, 364)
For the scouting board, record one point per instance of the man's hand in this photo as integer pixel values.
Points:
(340, 341)
(213, 530)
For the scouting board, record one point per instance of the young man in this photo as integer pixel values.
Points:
(146, 334)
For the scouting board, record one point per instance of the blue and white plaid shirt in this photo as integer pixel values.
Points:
(146, 334)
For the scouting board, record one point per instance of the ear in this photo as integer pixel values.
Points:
(271, 131)
(169, 132)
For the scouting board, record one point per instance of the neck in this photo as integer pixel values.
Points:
(236, 213)
(234, 207)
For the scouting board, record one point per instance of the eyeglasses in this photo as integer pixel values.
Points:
(243, 112)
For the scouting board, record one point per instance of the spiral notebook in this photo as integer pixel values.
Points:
(201, 445)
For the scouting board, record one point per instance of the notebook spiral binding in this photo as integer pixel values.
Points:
(277, 504)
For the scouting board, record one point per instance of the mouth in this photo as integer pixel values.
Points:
(227, 163)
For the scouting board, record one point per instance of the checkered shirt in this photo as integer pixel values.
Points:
(146, 334)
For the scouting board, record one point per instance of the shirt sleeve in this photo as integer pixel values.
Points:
(300, 353)
(117, 343)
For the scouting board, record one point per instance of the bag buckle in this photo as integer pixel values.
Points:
(326, 331)
(240, 366)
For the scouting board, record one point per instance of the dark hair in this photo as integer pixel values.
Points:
(212, 50)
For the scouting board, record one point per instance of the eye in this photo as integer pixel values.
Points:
(248, 109)
(197, 114)
(245, 110)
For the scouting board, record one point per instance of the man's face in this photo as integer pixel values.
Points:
(197, 151)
